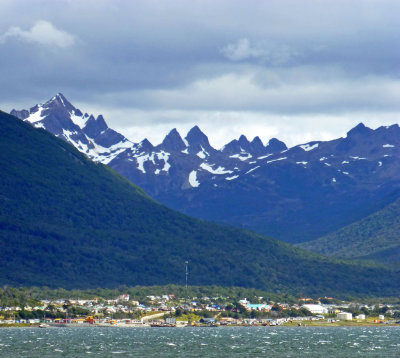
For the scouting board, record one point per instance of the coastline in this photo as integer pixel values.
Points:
(294, 324)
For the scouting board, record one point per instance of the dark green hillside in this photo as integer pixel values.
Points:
(68, 222)
(376, 237)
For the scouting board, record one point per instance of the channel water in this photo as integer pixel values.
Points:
(201, 342)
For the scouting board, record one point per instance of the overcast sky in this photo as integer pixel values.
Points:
(291, 69)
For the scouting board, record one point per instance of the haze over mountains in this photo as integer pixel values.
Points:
(66, 221)
(294, 194)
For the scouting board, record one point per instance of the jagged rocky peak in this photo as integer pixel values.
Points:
(145, 146)
(394, 128)
(256, 146)
(59, 101)
(101, 122)
(387, 135)
(275, 146)
(173, 142)
(253, 147)
(359, 130)
(233, 147)
(22, 114)
(244, 142)
(34, 109)
(78, 112)
(197, 138)
(93, 127)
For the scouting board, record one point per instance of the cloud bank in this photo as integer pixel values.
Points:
(298, 70)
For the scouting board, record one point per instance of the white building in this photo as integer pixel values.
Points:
(316, 309)
(123, 298)
(345, 316)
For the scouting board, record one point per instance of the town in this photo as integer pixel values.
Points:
(169, 310)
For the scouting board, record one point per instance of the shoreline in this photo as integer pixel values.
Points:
(360, 325)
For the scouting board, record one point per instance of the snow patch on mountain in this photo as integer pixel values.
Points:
(307, 147)
(164, 156)
(80, 121)
(193, 179)
(39, 125)
(252, 169)
(241, 156)
(36, 116)
(275, 160)
(203, 153)
(220, 170)
(142, 159)
(264, 156)
(106, 155)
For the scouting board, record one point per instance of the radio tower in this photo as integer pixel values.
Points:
(186, 273)
(186, 280)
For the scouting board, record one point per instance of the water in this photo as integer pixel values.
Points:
(201, 342)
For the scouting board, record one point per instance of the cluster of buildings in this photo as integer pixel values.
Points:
(125, 308)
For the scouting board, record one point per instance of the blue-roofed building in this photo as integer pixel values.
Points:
(258, 307)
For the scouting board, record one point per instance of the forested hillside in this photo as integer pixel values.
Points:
(66, 221)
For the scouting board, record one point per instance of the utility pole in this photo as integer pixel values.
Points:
(186, 274)
(186, 281)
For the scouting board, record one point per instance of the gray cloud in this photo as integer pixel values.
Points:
(175, 63)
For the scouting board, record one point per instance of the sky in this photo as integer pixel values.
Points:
(297, 70)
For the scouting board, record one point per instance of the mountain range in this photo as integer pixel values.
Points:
(295, 194)
(66, 221)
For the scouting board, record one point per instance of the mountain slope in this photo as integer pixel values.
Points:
(294, 194)
(67, 221)
(376, 237)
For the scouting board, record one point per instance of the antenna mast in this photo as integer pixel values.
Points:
(186, 274)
